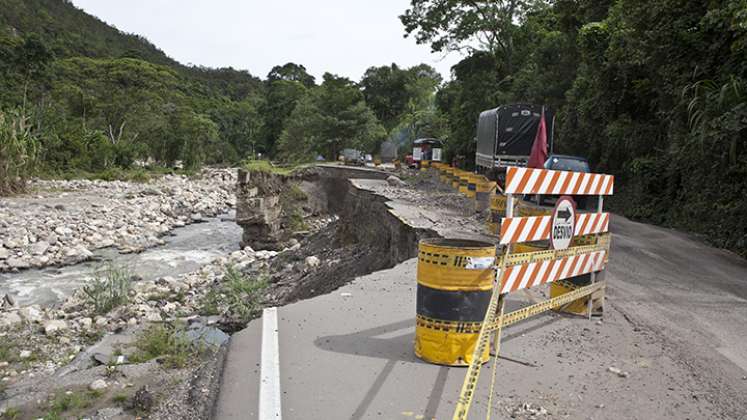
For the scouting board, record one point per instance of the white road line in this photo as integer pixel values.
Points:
(269, 386)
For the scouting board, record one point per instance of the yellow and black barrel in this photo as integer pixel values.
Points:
(455, 178)
(464, 177)
(472, 185)
(483, 190)
(446, 174)
(497, 212)
(455, 281)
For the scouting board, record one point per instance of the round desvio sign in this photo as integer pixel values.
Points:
(563, 223)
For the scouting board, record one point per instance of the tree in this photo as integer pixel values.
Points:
(281, 99)
(455, 25)
(385, 91)
(291, 72)
(332, 117)
(476, 87)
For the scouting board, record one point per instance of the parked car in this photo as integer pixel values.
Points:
(565, 163)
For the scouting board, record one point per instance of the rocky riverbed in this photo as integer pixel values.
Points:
(63, 222)
(115, 342)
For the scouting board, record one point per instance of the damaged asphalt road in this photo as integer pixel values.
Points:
(670, 345)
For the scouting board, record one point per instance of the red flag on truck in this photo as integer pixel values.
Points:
(538, 156)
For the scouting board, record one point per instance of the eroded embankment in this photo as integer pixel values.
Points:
(364, 235)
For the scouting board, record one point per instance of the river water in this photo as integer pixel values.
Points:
(186, 249)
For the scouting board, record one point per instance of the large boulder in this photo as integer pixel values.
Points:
(31, 314)
(39, 248)
(9, 319)
(53, 326)
(18, 262)
(395, 182)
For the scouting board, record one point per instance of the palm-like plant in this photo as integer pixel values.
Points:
(18, 151)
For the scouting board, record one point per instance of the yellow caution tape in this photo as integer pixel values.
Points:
(524, 313)
(554, 254)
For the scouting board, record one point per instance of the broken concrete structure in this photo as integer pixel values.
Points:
(267, 203)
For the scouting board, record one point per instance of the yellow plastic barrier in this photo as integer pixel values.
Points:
(464, 177)
(455, 178)
(484, 188)
(446, 174)
(497, 211)
(472, 184)
(455, 281)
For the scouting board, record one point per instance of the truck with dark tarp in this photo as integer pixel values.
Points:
(505, 135)
(389, 151)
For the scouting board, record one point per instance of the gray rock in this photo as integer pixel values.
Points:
(16, 262)
(153, 317)
(54, 326)
(265, 255)
(312, 261)
(10, 319)
(31, 313)
(63, 231)
(78, 252)
(16, 242)
(109, 359)
(206, 335)
(4, 253)
(85, 322)
(8, 301)
(40, 247)
(98, 385)
(395, 182)
(110, 413)
(25, 354)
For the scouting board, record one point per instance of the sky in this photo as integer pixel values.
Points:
(344, 37)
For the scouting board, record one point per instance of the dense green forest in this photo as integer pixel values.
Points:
(653, 92)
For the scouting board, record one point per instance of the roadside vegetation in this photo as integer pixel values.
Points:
(68, 404)
(108, 289)
(238, 298)
(264, 165)
(167, 343)
(18, 152)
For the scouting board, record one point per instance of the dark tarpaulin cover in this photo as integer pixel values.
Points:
(509, 130)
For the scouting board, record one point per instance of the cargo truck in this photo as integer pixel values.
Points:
(505, 136)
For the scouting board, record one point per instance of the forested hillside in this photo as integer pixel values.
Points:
(653, 92)
(91, 98)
